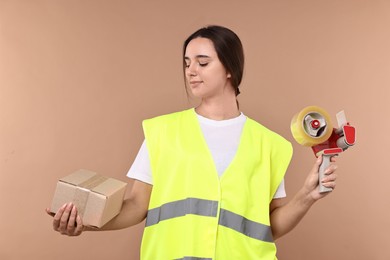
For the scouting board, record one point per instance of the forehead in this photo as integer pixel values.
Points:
(200, 46)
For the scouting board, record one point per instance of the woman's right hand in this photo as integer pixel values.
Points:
(67, 221)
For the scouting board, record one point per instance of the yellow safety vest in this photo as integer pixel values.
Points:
(194, 214)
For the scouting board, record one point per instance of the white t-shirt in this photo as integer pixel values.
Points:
(222, 138)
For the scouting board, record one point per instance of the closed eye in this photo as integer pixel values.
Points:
(200, 64)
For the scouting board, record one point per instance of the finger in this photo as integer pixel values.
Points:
(79, 227)
(317, 165)
(330, 178)
(57, 217)
(331, 169)
(49, 212)
(330, 184)
(319, 160)
(65, 217)
(72, 220)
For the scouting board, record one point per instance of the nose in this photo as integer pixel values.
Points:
(191, 70)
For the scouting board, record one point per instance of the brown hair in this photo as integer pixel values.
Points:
(229, 50)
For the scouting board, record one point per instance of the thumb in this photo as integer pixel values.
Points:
(317, 164)
(49, 212)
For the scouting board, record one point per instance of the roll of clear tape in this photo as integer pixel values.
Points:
(299, 128)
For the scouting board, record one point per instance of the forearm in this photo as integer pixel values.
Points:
(130, 215)
(284, 217)
(287, 216)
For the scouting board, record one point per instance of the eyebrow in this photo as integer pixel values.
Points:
(197, 56)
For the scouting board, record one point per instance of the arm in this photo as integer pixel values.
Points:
(285, 216)
(134, 209)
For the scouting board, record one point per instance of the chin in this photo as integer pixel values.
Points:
(196, 92)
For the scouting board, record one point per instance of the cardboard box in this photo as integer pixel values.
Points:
(98, 198)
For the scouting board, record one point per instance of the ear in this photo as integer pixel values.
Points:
(228, 76)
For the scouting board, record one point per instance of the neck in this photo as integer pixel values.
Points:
(219, 109)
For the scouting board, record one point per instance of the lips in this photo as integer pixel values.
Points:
(195, 82)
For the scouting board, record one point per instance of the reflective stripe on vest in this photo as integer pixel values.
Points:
(181, 208)
(193, 258)
(245, 226)
(209, 208)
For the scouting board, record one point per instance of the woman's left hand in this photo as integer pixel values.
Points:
(311, 185)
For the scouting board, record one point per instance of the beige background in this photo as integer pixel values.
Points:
(78, 77)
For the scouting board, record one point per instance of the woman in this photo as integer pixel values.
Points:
(209, 179)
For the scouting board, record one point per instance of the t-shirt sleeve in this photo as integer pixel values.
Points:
(140, 169)
(281, 191)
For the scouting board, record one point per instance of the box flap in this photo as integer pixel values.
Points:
(109, 187)
(78, 177)
(94, 182)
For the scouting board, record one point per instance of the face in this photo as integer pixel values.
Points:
(205, 74)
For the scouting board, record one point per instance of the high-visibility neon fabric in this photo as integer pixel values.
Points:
(194, 214)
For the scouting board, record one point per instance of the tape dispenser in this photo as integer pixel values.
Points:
(312, 127)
